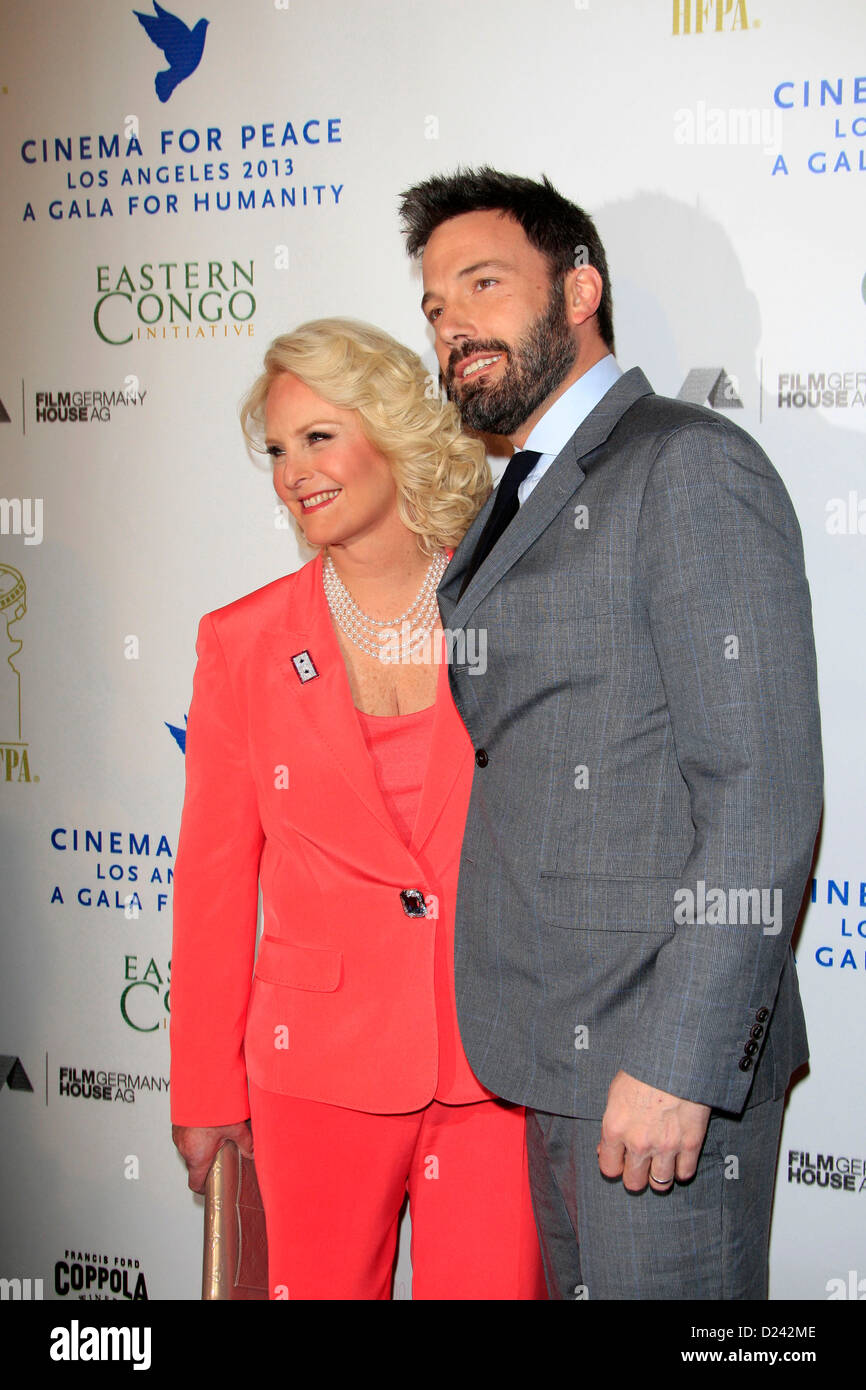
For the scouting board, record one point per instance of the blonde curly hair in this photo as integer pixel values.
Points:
(442, 475)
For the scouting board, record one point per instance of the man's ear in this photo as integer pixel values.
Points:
(583, 288)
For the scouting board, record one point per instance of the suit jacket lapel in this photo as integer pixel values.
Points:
(449, 747)
(329, 712)
(325, 702)
(547, 498)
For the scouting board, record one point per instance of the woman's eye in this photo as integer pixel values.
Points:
(274, 450)
(315, 435)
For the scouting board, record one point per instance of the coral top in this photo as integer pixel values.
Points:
(399, 746)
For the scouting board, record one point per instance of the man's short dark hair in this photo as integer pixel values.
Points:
(563, 232)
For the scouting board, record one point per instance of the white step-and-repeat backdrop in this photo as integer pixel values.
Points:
(157, 231)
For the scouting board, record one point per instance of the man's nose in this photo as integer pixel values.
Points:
(455, 326)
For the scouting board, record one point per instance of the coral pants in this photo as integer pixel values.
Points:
(333, 1182)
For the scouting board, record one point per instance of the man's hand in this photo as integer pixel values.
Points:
(199, 1147)
(649, 1135)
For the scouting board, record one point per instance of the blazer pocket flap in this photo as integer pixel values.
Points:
(300, 967)
(583, 902)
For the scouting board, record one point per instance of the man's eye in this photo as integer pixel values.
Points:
(486, 281)
(434, 314)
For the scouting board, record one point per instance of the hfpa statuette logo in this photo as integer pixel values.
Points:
(182, 47)
(14, 754)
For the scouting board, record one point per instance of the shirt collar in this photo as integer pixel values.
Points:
(559, 423)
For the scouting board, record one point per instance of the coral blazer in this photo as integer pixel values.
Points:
(342, 1006)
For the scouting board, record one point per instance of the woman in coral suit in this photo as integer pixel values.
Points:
(326, 761)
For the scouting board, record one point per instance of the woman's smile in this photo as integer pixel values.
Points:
(318, 500)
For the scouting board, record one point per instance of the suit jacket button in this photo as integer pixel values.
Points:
(750, 1049)
(481, 757)
(756, 1032)
(413, 902)
(745, 1064)
(762, 1015)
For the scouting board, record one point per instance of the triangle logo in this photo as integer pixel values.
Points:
(711, 386)
(13, 1074)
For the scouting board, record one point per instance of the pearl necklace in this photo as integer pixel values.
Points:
(378, 636)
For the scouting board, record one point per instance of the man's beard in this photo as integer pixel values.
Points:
(539, 363)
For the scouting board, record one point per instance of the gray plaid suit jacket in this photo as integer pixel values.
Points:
(647, 723)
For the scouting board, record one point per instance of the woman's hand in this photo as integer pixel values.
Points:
(199, 1147)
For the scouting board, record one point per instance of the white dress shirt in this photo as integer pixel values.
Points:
(559, 423)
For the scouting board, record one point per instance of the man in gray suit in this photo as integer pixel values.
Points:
(648, 781)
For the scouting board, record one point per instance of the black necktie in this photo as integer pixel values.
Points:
(504, 510)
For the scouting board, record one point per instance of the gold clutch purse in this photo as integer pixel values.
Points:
(235, 1264)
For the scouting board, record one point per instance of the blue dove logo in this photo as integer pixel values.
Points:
(179, 735)
(182, 47)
